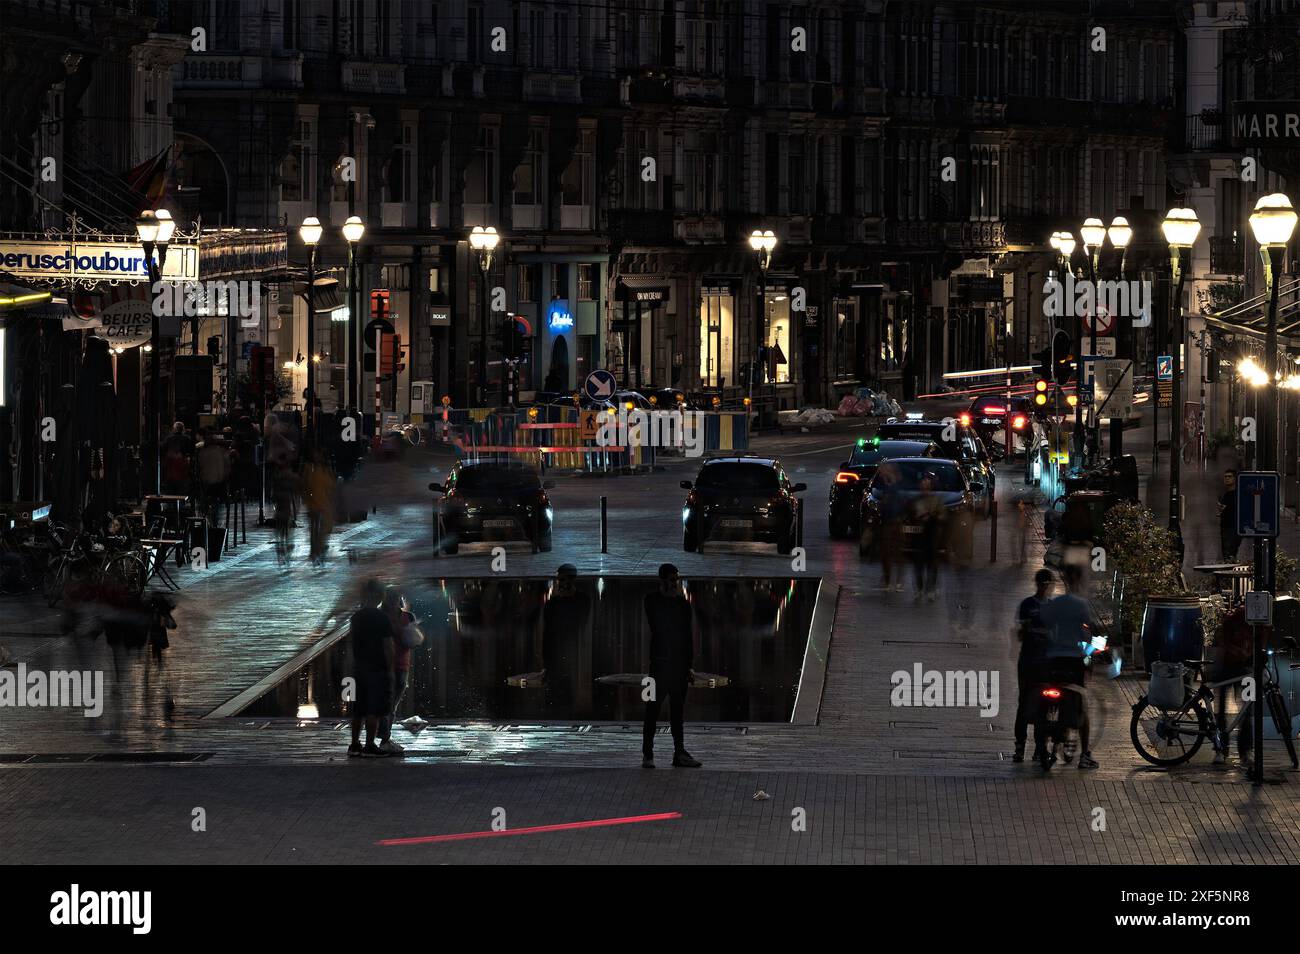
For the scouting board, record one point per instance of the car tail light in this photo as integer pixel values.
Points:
(846, 477)
(993, 409)
(1018, 422)
(1051, 693)
(965, 420)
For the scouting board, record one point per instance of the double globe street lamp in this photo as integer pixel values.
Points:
(1180, 229)
(310, 232)
(353, 229)
(763, 243)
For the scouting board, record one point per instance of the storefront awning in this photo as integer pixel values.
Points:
(328, 295)
(14, 296)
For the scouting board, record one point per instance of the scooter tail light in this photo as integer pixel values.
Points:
(1051, 693)
(1018, 422)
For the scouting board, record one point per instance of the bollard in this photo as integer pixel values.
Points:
(604, 525)
(993, 533)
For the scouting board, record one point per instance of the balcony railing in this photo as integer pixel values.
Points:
(1202, 135)
(1227, 255)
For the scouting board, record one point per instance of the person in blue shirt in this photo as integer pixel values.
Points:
(1071, 623)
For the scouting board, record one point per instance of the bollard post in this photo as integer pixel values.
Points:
(604, 525)
(993, 533)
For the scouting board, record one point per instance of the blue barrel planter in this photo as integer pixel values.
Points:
(1172, 630)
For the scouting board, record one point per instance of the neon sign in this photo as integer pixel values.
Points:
(558, 318)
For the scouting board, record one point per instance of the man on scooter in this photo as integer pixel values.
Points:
(1071, 624)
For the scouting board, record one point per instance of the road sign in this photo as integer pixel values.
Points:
(1259, 608)
(374, 328)
(1165, 367)
(1112, 387)
(600, 385)
(1258, 513)
(1105, 347)
(589, 425)
(1103, 321)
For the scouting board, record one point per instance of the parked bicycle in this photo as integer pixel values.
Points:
(84, 557)
(1166, 732)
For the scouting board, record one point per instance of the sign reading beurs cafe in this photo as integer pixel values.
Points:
(1266, 122)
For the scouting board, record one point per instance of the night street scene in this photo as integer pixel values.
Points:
(631, 433)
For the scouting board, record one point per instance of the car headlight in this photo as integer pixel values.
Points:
(686, 514)
(549, 513)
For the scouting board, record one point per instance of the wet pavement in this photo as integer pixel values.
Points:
(890, 783)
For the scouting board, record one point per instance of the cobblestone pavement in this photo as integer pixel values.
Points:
(879, 783)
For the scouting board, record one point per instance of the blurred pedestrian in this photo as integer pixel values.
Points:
(371, 636)
(177, 451)
(892, 509)
(564, 621)
(672, 648)
(959, 538)
(212, 458)
(318, 484)
(928, 516)
(1031, 633)
(1229, 542)
(406, 636)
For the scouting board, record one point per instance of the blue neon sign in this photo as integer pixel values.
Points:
(558, 317)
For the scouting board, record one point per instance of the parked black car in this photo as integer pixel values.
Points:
(854, 474)
(957, 441)
(490, 501)
(741, 498)
(947, 480)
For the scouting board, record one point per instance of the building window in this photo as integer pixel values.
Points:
(586, 282)
(357, 22)
(474, 35)
(562, 43)
(296, 167)
(528, 282)
(796, 176)
(290, 24)
(400, 175)
(383, 25)
(717, 337)
(778, 336)
(586, 356)
(481, 177)
(844, 346)
(536, 38)
(529, 178)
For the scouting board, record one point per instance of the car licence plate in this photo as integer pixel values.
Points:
(498, 523)
(736, 524)
(990, 420)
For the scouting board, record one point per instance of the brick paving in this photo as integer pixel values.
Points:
(879, 783)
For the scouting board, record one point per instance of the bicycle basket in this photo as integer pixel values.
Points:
(1168, 689)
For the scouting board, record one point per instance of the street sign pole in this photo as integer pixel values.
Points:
(1259, 516)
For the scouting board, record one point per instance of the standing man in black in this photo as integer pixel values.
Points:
(672, 648)
(373, 667)
(1229, 542)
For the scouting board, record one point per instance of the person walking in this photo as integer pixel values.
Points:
(928, 514)
(959, 535)
(371, 636)
(1032, 635)
(892, 509)
(212, 458)
(564, 622)
(318, 482)
(672, 649)
(176, 451)
(1229, 542)
(402, 620)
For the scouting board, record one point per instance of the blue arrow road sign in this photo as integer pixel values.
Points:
(1258, 514)
(600, 385)
(1165, 367)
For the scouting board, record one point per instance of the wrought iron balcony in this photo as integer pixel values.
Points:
(1227, 255)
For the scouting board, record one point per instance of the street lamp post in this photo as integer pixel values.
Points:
(1273, 222)
(1093, 233)
(484, 242)
(763, 242)
(353, 229)
(1120, 235)
(1180, 229)
(155, 230)
(311, 231)
(1065, 242)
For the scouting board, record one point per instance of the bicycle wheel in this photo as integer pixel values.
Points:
(1168, 737)
(1282, 722)
(126, 570)
(414, 435)
(54, 580)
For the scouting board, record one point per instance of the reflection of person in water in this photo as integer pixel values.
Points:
(564, 624)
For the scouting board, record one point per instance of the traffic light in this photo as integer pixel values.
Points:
(399, 358)
(1040, 392)
(387, 354)
(506, 337)
(1056, 361)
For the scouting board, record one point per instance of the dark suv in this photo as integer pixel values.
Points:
(989, 416)
(957, 441)
(741, 498)
(492, 501)
(855, 473)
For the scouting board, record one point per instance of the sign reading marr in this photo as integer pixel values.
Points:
(92, 261)
(1266, 122)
